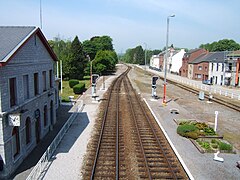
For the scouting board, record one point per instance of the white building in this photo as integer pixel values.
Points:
(175, 60)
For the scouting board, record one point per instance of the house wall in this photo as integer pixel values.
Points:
(31, 58)
(177, 61)
(216, 73)
(200, 71)
(189, 57)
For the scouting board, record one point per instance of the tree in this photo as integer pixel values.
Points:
(221, 45)
(97, 43)
(104, 61)
(77, 61)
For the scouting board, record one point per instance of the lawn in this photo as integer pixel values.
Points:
(67, 91)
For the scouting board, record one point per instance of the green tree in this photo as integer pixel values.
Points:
(221, 45)
(77, 61)
(104, 61)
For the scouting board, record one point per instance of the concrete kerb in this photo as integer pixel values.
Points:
(170, 142)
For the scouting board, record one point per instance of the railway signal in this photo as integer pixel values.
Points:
(94, 79)
(154, 82)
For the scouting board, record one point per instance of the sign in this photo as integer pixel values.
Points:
(14, 119)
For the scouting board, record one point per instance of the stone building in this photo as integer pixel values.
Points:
(28, 93)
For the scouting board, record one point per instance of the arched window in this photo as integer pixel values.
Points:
(15, 141)
(45, 116)
(28, 130)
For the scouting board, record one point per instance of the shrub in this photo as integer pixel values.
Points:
(200, 126)
(188, 130)
(206, 145)
(73, 82)
(209, 131)
(79, 88)
(225, 146)
(192, 135)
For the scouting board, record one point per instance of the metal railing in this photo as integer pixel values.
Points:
(40, 168)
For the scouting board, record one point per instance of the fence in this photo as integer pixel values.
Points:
(211, 89)
(41, 166)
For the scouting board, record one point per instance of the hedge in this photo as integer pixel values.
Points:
(73, 82)
(188, 130)
(79, 88)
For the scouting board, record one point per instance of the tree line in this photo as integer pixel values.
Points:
(76, 56)
(221, 45)
(137, 55)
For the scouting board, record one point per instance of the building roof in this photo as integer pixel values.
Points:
(210, 57)
(12, 38)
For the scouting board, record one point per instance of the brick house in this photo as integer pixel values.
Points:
(28, 93)
(189, 57)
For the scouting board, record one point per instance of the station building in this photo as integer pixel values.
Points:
(28, 93)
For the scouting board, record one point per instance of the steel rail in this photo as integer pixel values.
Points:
(153, 131)
(118, 82)
(139, 136)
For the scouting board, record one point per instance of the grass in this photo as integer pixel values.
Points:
(67, 91)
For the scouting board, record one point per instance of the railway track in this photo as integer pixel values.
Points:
(128, 143)
(216, 99)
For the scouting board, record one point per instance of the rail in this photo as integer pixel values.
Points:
(40, 168)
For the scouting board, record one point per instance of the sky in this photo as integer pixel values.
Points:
(129, 22)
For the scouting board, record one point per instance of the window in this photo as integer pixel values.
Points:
(36, 84)
(44, 81)
(26, 87)
(198, 76)
(200, 68)
(50, 78)
(15, 141)
(45, 115)
(217, 67)
(13, 91)
(28, 130)
(212, 67)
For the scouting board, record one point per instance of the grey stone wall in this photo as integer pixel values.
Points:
(31, 58)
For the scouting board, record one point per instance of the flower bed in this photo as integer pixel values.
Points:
(203, 137)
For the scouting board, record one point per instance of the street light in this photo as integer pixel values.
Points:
(145, 55)
(89, 59)
(165, 63)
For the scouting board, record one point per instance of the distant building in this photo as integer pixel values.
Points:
(189, 57)
(28, 93)
(209, 66)
(175, 60)
(173, 63)
(232, 73)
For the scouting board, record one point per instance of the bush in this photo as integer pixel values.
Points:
(206, 145)
(73, 82)
(225, 146)
(192, 135)
(209, 131)
(79, 88)
(200, 126)
(188, 130)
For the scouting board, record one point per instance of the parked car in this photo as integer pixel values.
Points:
(208, 82)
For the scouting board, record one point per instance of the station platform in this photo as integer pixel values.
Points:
(68, 158)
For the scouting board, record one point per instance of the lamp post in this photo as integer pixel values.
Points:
(145, 55)
(165, 63)
(89, 59)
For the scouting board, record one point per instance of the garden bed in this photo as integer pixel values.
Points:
(203, 136)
